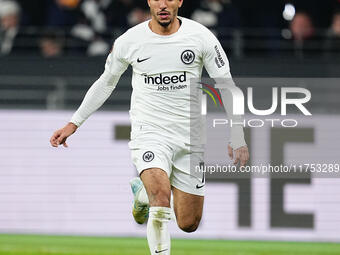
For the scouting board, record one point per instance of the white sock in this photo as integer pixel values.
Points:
(157, 230)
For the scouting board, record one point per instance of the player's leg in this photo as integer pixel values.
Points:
(153, 160)
(146, 153)
(157, 185)
(188, 189)
(188, 209)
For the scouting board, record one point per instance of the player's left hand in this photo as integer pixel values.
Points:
(240, 155)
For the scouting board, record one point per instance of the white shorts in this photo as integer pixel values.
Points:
(150, 148)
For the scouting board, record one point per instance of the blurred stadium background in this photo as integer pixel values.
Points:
(78, 201)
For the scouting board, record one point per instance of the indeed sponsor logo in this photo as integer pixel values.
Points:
(165, 79)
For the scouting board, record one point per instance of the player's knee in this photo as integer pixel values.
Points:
(189, 225)
(160, 197)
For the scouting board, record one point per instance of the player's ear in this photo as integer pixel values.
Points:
(149, 3)
(180, 2)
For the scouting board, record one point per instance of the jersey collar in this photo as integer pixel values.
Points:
(181, 20)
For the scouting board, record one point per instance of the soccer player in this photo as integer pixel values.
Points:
(165, 53)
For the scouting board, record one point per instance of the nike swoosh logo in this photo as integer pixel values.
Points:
(203, 180)
(199, 186)
(161, 251)
(141, 60)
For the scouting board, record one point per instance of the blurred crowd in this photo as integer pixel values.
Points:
(88, 22)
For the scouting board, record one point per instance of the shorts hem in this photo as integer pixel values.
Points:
(198, 192)
(162, 167)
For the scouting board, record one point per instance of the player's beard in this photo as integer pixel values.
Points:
(164, 24)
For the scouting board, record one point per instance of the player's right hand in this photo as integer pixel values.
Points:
(60, 136)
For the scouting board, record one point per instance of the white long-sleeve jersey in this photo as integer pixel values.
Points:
(162, 69)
